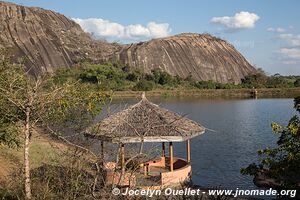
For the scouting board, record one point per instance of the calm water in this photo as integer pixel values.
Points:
(241, 127)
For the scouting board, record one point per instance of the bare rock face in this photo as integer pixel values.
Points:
(47, 39)
(203, 56)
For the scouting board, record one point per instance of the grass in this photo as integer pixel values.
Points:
(43, 150)
(214, 93)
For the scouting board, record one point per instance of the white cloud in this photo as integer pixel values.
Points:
(278, 29)
(158, 30)
(101, 28)
(291, 39)
(289, 62)
(241, 20)
(289, 56)
(292, 53)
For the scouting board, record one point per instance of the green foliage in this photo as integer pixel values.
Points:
(163, 78)
(75, 99)
(205, 85)
(297, 82)
(189, 78)
(282, 162)
(107, 76)
(134, 76)
(213, 85)
(7, 195)
(144, 85)
(10, 114)
(71, 177)
(9, 135)
(257, 80)
(63, 182)
(297, 103)
(278, 82)
(117, 77)
(64, 75)
(54, 101)
(260, 80)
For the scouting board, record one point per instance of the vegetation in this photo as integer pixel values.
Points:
(58, 171)
(51, 104)
(143, 85)
(29, 104)
(282, 163)
(120, 78)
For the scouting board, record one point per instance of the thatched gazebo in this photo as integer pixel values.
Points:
(147, 122)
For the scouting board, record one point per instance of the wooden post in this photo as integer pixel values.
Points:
(145, 169)
(171, 156)
(163, 151)
(254, 93)
(188, 146)
(102, 153)
(122, 157)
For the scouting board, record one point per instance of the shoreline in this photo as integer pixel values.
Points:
(214, 93)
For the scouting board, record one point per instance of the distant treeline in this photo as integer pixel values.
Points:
(121, 78)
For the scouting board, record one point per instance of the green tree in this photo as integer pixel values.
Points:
(37, 103)
(282, 163)
(297, 82)
(204, 85)
(107, 76)
(144, 85)
(134, 76)
(257, 80)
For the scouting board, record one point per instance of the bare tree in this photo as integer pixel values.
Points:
(32, 103)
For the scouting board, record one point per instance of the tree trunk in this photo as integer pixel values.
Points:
(26, 154)
(142, 145)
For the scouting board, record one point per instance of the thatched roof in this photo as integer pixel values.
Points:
(147, 122)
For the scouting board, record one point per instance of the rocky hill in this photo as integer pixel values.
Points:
(203, 56)
(49, 40)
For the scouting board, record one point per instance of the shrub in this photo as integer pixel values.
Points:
(7, 195)
(119, 77)
(282, 162)
(144, 85)
(255, 80)
(71, 177)
(134, 76)
(205, 85)
(297, 82)
(165, 79)
(63, 75)
(92, 72)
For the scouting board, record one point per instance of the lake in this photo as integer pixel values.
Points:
(240, 127)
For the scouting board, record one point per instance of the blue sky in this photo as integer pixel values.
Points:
(266, 32)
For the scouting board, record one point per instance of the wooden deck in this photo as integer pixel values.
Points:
(153, 178)
(154, 174)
